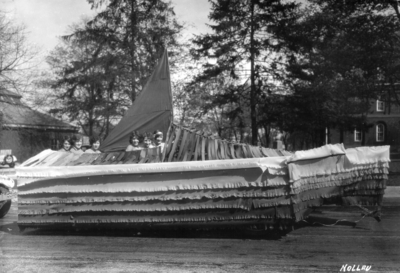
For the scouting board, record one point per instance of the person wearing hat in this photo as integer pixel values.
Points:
(158, 138)
(133, 143)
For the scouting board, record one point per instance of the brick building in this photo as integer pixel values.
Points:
(382, 128)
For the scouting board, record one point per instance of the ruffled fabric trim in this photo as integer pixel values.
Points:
(138, 217)
(174, 220)
(273, 202)
(195, 196)
(134, 208)
(331, 166)
(366, 185)
(345, 175)
(317, 194)
(365, 192)
(93, 188)
(374, 173)
(344, 182)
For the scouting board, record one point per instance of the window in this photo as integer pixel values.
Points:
(380, 106)
(380, 132)
(55, 144)
(357, 135)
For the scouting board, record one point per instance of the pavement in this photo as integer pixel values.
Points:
(333, 239)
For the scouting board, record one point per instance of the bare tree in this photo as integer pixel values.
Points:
(16, 55)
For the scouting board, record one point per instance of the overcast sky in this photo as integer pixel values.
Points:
(45, 20)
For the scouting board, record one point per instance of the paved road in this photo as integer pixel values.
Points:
(308, 248)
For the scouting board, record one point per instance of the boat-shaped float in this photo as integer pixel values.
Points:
(195, 180)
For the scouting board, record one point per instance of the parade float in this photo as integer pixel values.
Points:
(193, 180)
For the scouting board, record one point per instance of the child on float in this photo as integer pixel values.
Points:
(77, 145)
(158, 139)
(147, 141)
(133, 143)
(67, 144)
(94, 146)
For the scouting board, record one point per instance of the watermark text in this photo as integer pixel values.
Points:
(354, 268)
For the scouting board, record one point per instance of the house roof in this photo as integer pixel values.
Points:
(9, 97)
(18, 115)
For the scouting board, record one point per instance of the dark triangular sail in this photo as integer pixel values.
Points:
(151, 111)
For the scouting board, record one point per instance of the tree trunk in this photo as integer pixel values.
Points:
(91, 113)
(253, 114)
(322, 137)
(1, 126)
(91, 123)
(363, 137)
(266, 135)
(341, 135)
(133, 49)
(364, 129)
(108, 115)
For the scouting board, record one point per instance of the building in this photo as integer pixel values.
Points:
(26, 131)
(382, 128)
